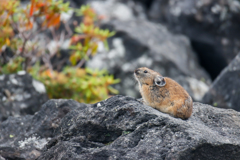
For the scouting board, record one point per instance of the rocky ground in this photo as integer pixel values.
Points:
(120, 128)
(20, 95)
(225, 90)
(194, 42)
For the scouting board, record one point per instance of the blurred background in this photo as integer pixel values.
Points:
(87, 50)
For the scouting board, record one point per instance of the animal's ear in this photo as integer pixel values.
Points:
(159, 81)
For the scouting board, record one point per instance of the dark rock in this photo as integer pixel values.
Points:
(139, 43)
(146, 3)
(212, 26)
(77, 3)
(120, 128)
(20, 94)
(24, 137)
(225, 90)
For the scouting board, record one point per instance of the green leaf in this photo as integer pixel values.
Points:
(88, 93)
(105, 42)
(74, 47)
(78, 29)
(96, 30)
(111, 34)
(112, 90)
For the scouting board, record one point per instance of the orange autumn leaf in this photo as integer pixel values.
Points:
(52, 20)
(29, 25)
(7, 41)
(32, 7)
(47, 73)
(6, 20)
(35, 6)
(77, 38)
(40, 4)
(88, 20)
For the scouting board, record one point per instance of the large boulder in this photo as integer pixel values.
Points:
(24, 137)
(225, 90)
(212, 26)
(140, 43)
(20, 95)
(120, 128)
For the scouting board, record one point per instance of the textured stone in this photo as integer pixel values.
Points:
(120, 128)
(225, 90)
(24, 137)
(20, 94)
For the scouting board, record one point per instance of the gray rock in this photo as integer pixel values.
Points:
(20, 94)
(225, 90)
(120, 128)
(139, 43)
(25, 137)
(123, 10)
(112, 9)
(196, 88)
(123, 128)
(211, 25)
(1, 158)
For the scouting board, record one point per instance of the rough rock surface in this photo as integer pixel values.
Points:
(212, 26)
(24, 137)
(139, 43)
(225, 90)
(120, 128)
(20, 94)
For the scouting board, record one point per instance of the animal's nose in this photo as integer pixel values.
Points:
(137, 71)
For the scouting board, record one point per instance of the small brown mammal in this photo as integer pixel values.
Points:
(163, 94)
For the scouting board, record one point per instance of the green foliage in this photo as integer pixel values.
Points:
(13, 65)
(73, 82)
(90, 34)
(84, 85)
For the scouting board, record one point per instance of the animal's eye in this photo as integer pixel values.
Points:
(158, 82)
(145, 71)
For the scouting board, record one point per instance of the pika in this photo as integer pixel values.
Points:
(163, 94)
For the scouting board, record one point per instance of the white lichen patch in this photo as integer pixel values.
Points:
(4, 99)
(39, 86)
(2, 77)
(20, 73)
(33, 141)
(23, 106)
(14, 81)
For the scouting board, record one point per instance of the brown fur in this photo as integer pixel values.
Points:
(171, 98)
